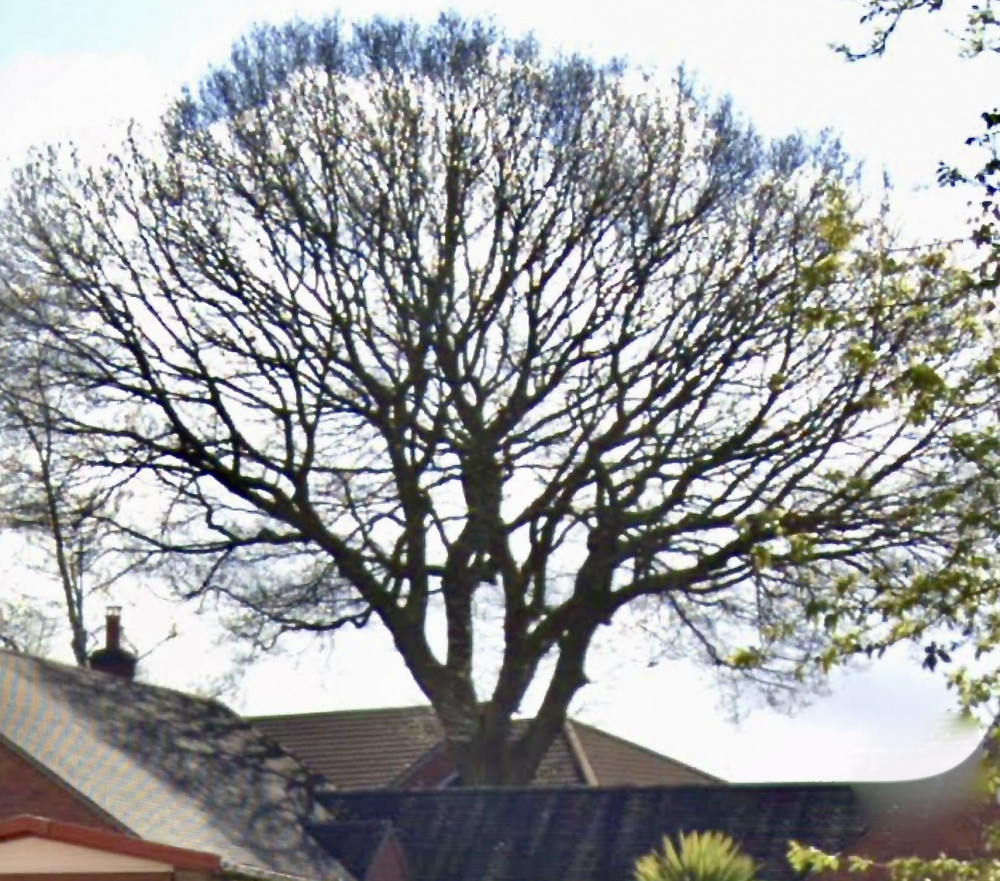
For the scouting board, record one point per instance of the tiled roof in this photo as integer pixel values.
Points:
(171, 768)
(592, 834)
(618, 762)
(364, 749)
(560, 766)
(357, 749)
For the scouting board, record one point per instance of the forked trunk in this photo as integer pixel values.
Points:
(482, 763)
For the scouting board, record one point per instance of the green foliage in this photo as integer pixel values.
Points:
(698, 856)
(981, 34)
(806, 859)
(952, 612)
(883, 18)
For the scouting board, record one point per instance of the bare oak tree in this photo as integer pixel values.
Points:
(405, 323)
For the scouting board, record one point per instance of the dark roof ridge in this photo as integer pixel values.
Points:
(75, 669)
(645, 749)
(596, 791)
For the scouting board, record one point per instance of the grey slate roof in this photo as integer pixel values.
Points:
(592, 834)
(367, 749)
(169, 767)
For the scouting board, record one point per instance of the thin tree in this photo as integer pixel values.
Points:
(418, 324)
(60, 506)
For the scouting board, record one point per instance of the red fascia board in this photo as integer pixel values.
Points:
(23, 826)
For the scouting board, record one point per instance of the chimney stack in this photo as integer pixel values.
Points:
(113, 629)
(113, 659)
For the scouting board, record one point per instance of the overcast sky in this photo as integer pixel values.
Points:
(77, 68)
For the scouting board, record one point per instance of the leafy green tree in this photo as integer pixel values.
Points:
(978, 685)
(980, 35)
(810, 860)
(698, 856)
(883, 18)
(423, 326)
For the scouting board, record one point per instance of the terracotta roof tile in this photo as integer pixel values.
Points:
(365, 749)
(619, 762)
(559, 766)
(357, 749)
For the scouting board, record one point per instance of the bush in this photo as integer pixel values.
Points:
(699, 856)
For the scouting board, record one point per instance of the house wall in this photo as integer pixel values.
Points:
(389, 862)
(26, 789)
(91, 876)
(36, 855)
(955, 831)
(84, 876)
(430, 773)
(950, 827)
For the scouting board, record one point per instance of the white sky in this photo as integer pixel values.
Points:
(72, 68)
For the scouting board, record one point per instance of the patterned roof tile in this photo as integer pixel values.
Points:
(364, 749)
(169, 767)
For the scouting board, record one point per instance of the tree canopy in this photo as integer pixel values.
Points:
(883, 18)
(979, 35)
(413, 325)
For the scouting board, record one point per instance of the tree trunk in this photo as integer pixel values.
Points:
(489, 759)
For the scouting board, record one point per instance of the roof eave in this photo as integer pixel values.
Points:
(28, 826)
(244, 872)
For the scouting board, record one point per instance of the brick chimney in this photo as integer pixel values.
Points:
(113, 659)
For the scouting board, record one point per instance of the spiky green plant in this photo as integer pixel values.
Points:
(699, 856)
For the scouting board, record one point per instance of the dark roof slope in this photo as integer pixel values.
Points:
(358, 843)
(169, 767)
(592, 834)
(367, 749)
